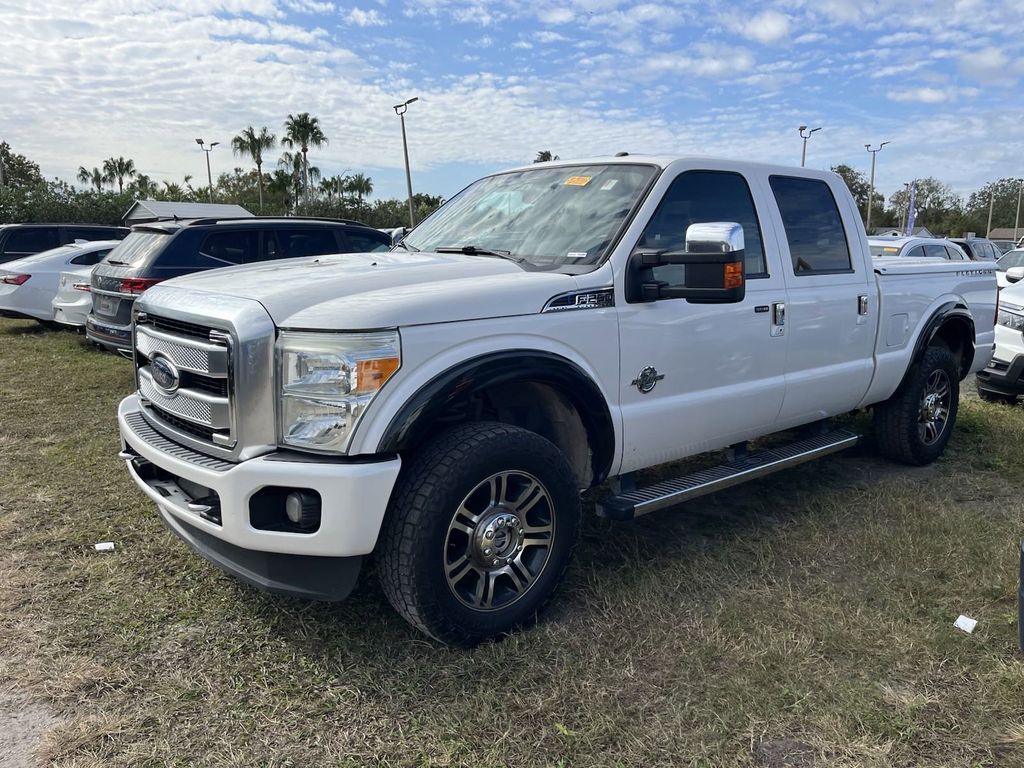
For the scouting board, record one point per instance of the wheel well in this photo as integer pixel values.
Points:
(957, 333)
(541, 392)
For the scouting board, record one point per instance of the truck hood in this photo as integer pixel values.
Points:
(355, 291)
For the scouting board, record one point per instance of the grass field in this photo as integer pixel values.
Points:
(802, 620)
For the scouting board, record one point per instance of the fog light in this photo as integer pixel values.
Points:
(303, 509)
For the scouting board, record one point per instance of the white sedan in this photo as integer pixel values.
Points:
(73, 301)
(28, 286)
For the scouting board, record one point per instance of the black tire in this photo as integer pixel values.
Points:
(465, 469)
(902, 422)
(995, 397)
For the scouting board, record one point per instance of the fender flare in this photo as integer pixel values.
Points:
(414, 421)
(950, 312)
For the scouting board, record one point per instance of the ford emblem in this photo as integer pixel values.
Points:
(165, 374)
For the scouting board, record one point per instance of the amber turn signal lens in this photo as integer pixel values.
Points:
(733, 275)
(372, 374)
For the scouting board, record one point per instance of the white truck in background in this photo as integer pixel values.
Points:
(549, 329)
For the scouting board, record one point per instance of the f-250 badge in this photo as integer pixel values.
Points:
(648, 379)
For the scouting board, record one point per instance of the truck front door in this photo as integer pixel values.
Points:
(700, 376)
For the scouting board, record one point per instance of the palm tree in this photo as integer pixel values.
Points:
(545, 156)
(94, 177)
(251, 144)
(359, 185)
(143, 186)
(119, 169)
(304, 131)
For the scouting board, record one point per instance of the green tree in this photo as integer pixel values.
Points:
(251, 144)
(95, 177)
(860, 188)
(1003, 195)
(545, 156)
(361, 186)
(17, 170)
(938, 207)
(143, 186)
(303, 131)
(118, 169)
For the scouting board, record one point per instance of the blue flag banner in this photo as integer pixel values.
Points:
(911, 211)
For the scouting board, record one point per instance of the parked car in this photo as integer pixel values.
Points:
(978, 248)
(73, 302)
(1010, 268)
(28, 285)
(1004, 246)
(162, 250)
(1002, 380)
(20, 240)
(916, 247)
(442, 405)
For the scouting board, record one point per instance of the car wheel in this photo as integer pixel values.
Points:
(479, 532)
(915, 424)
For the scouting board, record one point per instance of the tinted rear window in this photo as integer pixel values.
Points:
(814, 228)
(364, 242)
(293, 243)
(32, 240)
(138, 249)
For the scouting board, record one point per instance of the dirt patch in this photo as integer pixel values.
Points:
(23, 723)
(783, 753)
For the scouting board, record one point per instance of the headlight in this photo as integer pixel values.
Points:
(327, 380)
(1011, 320)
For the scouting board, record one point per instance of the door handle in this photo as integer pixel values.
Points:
(778, 318)
(862, 304)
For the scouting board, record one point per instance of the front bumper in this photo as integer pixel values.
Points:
(110, 335)
(1002, 377)
(319, 565)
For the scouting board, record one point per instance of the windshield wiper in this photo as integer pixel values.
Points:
(403, 244)
(473, 250)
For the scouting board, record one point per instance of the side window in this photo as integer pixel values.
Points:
(226, 248)
(81, 233)
(90, 259)
(293, 243)
(696, 197)
(363, 242)
(917, 252)
(936, 251)
(954, 254)
(971, 253)
(32, 240)
(814, 228)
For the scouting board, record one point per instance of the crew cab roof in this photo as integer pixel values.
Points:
(664, 161)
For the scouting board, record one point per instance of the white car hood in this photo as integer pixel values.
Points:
(356, 291)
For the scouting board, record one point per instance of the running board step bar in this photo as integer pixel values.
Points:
(668, 493)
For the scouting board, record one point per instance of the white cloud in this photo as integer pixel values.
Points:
(767, 27)
(547, 36)
(725, 63)
(810, 37)
(928, 95)
(365, 18)
(990, 65)
(555, 15)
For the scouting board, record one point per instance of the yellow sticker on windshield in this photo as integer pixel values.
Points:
(578, 181)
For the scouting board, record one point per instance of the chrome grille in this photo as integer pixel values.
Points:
(202, 399)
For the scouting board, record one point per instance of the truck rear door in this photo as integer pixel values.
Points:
(831, 312)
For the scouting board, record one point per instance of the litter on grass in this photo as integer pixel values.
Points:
(965, 623)
(104, 546)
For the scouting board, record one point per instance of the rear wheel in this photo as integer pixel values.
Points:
(479, 532)
(915, 424)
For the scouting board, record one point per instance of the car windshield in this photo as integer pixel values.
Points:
(53, 252)
(1010, 260)
(547, 218)
(136, 249)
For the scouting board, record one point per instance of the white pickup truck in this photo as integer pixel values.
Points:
(551, 328)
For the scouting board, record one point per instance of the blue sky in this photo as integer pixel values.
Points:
(499, 80)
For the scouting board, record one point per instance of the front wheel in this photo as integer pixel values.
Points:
(915, 424)
(479, 532)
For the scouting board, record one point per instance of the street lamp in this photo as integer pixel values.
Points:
(871, 194)
(803, 157)
(400, 110)
(207, 150)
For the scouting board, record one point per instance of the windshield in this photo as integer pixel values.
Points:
(46, 255)
(549, 217)
(1010, 260)
(136, 249)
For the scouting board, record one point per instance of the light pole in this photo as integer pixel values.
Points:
(871, 193)
(208, 150)
(400, 110)
(1016, 222)
(906, 207)
(991, 201)
(803, 156)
